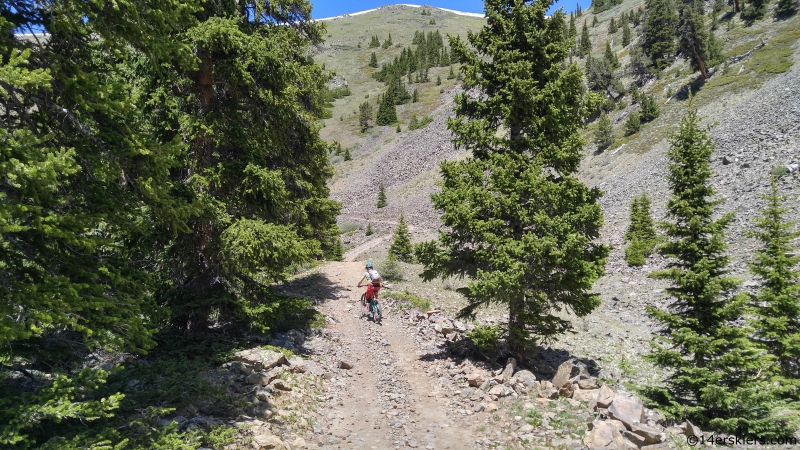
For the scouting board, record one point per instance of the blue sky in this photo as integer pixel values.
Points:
(330, 8)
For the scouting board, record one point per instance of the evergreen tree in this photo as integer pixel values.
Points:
(659, 32)
(693, 37)
(594, 21)
(374, 42)
(714, 366)
(604, 135)
(786, 8)
(633, 124)
(373, 60)
(586, 43)
(381, 197)
(650, 109)
(626, 34)
(438, 80)
(611, 57)
(387, 112)
(451, 75)
(509, 210)
(401, 241)
(364, 115)
(612, 26)
(415, 97)
(777, 301)
(573, 30)
(640, 64)
(369, 231)
(641, 233)
(336, 252)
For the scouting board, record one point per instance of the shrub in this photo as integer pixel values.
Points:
(391, 270)
(633, 124)
(486, 339)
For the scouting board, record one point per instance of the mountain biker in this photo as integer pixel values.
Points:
(374, 283)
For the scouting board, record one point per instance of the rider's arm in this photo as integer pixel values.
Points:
(360, 280)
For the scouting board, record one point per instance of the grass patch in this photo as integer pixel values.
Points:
(409, 300)
(349, 227)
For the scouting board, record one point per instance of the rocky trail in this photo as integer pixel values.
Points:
(382, 398)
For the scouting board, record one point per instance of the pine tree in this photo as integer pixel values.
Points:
(604, 135)
(401, 242)
(641, 233)
(373, 60)
(387, 111)
(381, 197)
(626, 34)
(612, 26)
(509, 221)
(374, 42)
(633, 124)
(347, 156)
(786, 8)
(438, 80)
(659, 32)
(415, 97)
(777, 301)
(650, 109)
(693, 39)
(586, 43)
(594, 21)
(714, 366)
(369, 231)
(364, 115)
(611, 57)
(451, 75)
(573, 30)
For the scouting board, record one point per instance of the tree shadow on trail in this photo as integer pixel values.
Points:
(543, 362)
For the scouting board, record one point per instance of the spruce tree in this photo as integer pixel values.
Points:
(373, 60)
(604, 135)
(626, 34)
(401, 241)
(633, 124)
(659, 32)
(713, 365)
(369, 231)
(586, 43)
(381, 196)
(693, 38)
(414, 96)
(641, 233)
(650, 108)
(612, 26)
(573, 30)
(594, 20)
(451, 75)
(509, 210)
(387, 112)
(364, 115)
(611, 57)
(777, 301)
(786, 8)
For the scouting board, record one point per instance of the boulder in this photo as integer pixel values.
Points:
(279, 385)
(650, 435)
(605, 396)
(511, 367)
(297, 365)
(627, 410)
(587, 383)
(605, 435)
(260, 359)
(585, 395)
(345, 365)
(501, 390)
(264, 378)
(634, 438)
(566, 390)
(268, 442)
(476, 379)
(525, 377)
(563, 374)
(692, 430)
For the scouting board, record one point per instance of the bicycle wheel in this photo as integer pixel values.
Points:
(364, 306)
(377, 315)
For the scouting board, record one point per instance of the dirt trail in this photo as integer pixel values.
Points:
(386, 401)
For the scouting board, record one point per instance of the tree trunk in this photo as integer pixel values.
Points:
(516, 327)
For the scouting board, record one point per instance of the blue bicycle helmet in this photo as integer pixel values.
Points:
(369, 264)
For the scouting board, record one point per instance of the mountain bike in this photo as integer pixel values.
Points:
(371, 308)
